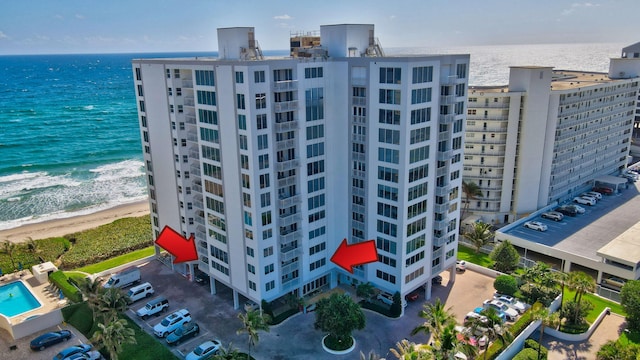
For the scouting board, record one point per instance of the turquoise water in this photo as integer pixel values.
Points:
(16, 299)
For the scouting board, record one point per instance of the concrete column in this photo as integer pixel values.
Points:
(427, 290)
(599, 278)
(333, 279)
(236, 303)
(212, 285)
(452, 274)
(567, 266)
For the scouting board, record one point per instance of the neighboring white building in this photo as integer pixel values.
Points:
(544, 138)
(624, 67)
(270, 163)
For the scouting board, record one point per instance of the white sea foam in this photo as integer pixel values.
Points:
(21, 176)
(88, 107)
(40, 180)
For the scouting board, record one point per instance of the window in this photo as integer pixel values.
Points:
(386, 277)
(418, 173)
(268, 269)
(316, 216)
(417, 191)
(138, 74)
(317, 264)
(251, 268)
(315, 132)
(388, 192)
(261, 101)
(414, 259)
(258, 76)
(387, 96)
(315, 185)
(265, 199)
(204, 77)
(315, 167)
(311, 73)
(387, 228)
(215, 205)
(209, 135)
(391, 117)
(270, 285)
(419, 96)
(239, 77)
(314, 150)
(317, 232)
(389, 136)
(263, 161)
(242, 122)
(264, 181)
(416, 243)
(461, 71)
(263, 142)
(206, 97)
(315, 201)
(140, 93)
(417, 209)
(314, 99)
(388, 155)
(387, 210)
(387, 174)
(420, 116)
(422, 74)
(208, 116)
(240, 101)
(250, 251)
(390, 75)
(419, 135)
(244, 162)
(242, 139)
(418, 154)
(266, 218)
(416, 226)
(261, 121)
(317, 248)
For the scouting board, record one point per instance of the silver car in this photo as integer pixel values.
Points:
(553, 215)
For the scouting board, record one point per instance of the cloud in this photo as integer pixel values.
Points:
(80, 16)
(283, 17)
(3, 35)
(574, 6)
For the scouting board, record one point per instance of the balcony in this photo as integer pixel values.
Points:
(287, 269)
(359, 81)
(437, 253)
(441, 208)
(289, 219)
(286, 144)
(187, 83)
(442, 171)
(290, 237)
(359, 138)
(289, 201)
(286, 126)
(443, 190)
(189, 101)
(446, 118)
(195, 171)
(289, 253)
(286, 85)
(440, 225)
(436, 269)
(190, 119)
(444, 155)
(359, 101)
(286, 106)
(439, 240)
(288, 181)
(287, 165)
(447, 99)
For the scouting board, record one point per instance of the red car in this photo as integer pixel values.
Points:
(413, 296)
(603, 190)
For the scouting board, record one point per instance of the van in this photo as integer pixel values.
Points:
(140, 292)
(124, 278)
(153, 307)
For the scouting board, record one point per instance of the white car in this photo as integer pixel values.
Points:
(511, 314)
(204, 350)
(579, 209)
(584, 200)
(461, 265)
(172, 322)
(512, 302)
(535, 225)
(593, 194)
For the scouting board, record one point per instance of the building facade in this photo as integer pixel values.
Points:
(544, 138)
(271, 162)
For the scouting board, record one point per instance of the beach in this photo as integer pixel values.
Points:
(61, 227)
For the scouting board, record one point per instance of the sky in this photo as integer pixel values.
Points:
(117, 26)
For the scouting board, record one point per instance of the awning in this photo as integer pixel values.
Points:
(609, 179)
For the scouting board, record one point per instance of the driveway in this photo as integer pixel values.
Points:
(296, 338)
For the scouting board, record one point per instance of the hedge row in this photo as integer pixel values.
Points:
(68, 289)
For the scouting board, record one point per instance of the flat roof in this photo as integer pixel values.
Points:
(625, 248)
(586, 234)
(570, 79)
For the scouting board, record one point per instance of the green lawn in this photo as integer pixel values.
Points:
(468, 254)
(118, 260)
(598, 305)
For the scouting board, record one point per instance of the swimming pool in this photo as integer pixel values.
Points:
(15, 299)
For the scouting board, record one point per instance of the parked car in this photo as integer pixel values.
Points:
(436, 280)
(579, 209)
(182, 333)
(124, 278)
(552, 215)
(250, 306)
(139, 292)
(566, 210)
(603, 190)
(614, 281)
(461, 265)
(72, 350)
(535, 225)
(511, 314)
(153, 307)
(91, 355)
(204, 350)
(502, 315)
(172, 322)
(385, 298)
(413, 296)
(473, 315)
(512, 302)
(50, 338)
(584, 200)
(593, 194)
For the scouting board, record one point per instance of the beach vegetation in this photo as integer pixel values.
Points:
(118, 260)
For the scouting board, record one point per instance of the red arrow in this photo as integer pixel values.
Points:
(347, 256)
(182, 249)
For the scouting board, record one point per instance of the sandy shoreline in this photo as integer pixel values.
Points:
(61, 227)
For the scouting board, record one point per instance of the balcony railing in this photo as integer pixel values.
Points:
(447, 118)
(444, 155)
(289, 201)
(286, 126)
(287, 165)
(286, 106)
(284, 85)
(286, 144)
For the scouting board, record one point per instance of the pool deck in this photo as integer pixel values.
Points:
(50, 300)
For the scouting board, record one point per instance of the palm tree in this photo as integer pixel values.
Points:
(9, 248)
(471, 192)
(112, 336)
(480, 235)
(495, 329)
(436, 319)
(229, 353)
(581, 283)
(370, 356)
(110, 303)
(409, 351)
(540, 312)
(252, 322)
(448, 344)
(92, 291)
(32, 246)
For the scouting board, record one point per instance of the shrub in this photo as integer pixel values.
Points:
(506, 257)
(61, 281)
(374, 306)
(283, 316)
(527, 354)
(267, 308)
(532, 344)
(575, 316)
(506, 284)
(630, 300)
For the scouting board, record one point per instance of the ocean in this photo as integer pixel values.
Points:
(69, 135)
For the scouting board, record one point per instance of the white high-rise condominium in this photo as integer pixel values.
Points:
(544, 138)
(271, 162)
